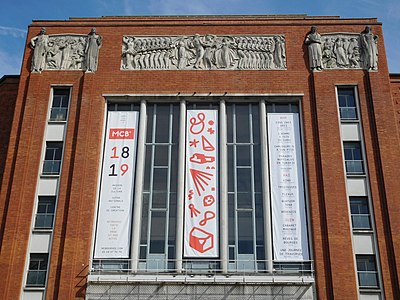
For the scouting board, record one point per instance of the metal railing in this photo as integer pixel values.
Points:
(201, 267)
(51, 167)
(58, 114)
(354, 167)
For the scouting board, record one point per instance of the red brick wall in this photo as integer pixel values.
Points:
(331, 233)
(8, 96)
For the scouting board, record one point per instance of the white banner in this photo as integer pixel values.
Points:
(116, 194)
(287, 189)
(201, 189)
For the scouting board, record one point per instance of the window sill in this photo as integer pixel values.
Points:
(49, 175)
(57, 121)
(355, 121)
(356, 175)
(363, 231)
(42, 230)
(34, 288)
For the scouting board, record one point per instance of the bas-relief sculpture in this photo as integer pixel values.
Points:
(342, 50)
(65, 51)
(204, 52)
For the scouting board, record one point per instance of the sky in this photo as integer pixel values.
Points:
(16, 15)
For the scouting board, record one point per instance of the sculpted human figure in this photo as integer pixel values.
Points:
(40, 44)
(93, 45)
(279, 53)
(369, 48)
(354, 53)
(198, 46)
(313, 40)
(129, 53)
(341, 56)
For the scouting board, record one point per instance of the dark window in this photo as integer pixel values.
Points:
(37, 270)
(347, 104)
(360, 217)
(366, 271)
(52, 159)
(353, 158)
(45, 212)
(59, 107)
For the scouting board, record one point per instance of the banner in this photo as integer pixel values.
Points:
(201, 189)
(116, 190)
(287, 189)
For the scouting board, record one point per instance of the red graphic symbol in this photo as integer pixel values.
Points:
(208, 200)
(210, 130)
(208, 215)
(207, 146)
(201, 240)
(211, 122)
(197, 127)
(200, 158)
(213, 189)
(193, 143)
(190, 196)
(210, 168)
(200, 179)
(193, 211)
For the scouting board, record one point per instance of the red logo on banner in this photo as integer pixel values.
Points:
(201, 240)
(122, 134)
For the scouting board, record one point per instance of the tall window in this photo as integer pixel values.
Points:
(353, 158)
(367, 271)
(245, 205)
(347, 103)
(157, 242)
(246, 220)
(45, 212)
(52, 159)
(59, 107)
(37, 270)
(360, 216)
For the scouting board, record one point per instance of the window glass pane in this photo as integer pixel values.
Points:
(59, 107)
(45, 212)
(159, 200)
(157, 234)
(160, 179)
(145, 219)
(161, 156)
(242, 123)
(231, 219)
(243, 155)
(256, 123)
(231, 169)
(257, 169)
(162, 126)
(229, 119)
(367, 272)
(37, 270)
(347, 103)
(243, 180)
(353, 158)
(245, 233)
(244, 200)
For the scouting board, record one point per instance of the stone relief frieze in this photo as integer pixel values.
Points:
(65, 51)
(342, 50)
(203, 52)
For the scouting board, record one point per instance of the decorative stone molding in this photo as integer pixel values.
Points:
(343, 50)
(65, 51)
(203, 52)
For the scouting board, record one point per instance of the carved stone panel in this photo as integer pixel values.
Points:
(65, 51)
(342, 50)
(203, 52)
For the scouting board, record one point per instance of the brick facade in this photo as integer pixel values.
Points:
(329, 220)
